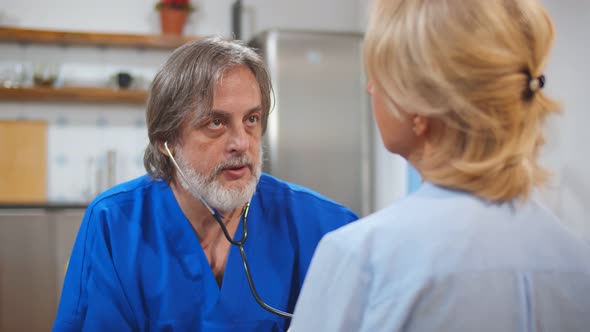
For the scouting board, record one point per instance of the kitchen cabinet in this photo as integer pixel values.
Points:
(35, 246)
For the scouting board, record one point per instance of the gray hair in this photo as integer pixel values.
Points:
(184, 90)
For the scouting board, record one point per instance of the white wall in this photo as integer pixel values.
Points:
(568, 80)
(139, 16)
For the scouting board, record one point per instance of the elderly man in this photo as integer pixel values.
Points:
(168, 251)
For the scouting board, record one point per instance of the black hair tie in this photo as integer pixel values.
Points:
(534, 84)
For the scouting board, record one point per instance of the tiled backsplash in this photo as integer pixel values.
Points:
(79, 139)
(78, 167)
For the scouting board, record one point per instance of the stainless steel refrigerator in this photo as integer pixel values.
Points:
(319, 133)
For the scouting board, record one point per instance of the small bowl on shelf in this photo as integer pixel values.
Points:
(45, 74)
(124, 80)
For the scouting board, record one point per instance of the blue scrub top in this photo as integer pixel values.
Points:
(138, 265)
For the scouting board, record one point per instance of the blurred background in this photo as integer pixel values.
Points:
(73, 80)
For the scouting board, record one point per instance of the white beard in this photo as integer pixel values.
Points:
(214, 192)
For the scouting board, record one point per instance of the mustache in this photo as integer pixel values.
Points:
(233, 162)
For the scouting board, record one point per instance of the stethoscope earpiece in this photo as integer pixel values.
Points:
(186, 179)
(167, 149)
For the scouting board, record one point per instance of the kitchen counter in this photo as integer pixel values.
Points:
(52, 206)
(35, 244)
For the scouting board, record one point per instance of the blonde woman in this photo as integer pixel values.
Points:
(457, 90)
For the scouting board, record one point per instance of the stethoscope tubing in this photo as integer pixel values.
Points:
(239, 243)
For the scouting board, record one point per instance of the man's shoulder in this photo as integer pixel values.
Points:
(272, 184)
(126, 193)
(284, 193)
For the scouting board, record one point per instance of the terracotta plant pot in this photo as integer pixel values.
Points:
(172, 21)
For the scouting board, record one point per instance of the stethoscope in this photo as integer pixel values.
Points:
(239, 243)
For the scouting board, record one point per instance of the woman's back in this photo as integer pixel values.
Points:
(511, 265)
(444, 260)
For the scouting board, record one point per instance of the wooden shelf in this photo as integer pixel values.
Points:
(13, 34)
(74, 95)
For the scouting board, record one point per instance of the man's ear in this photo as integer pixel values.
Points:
(162, 148)
(421, 125)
